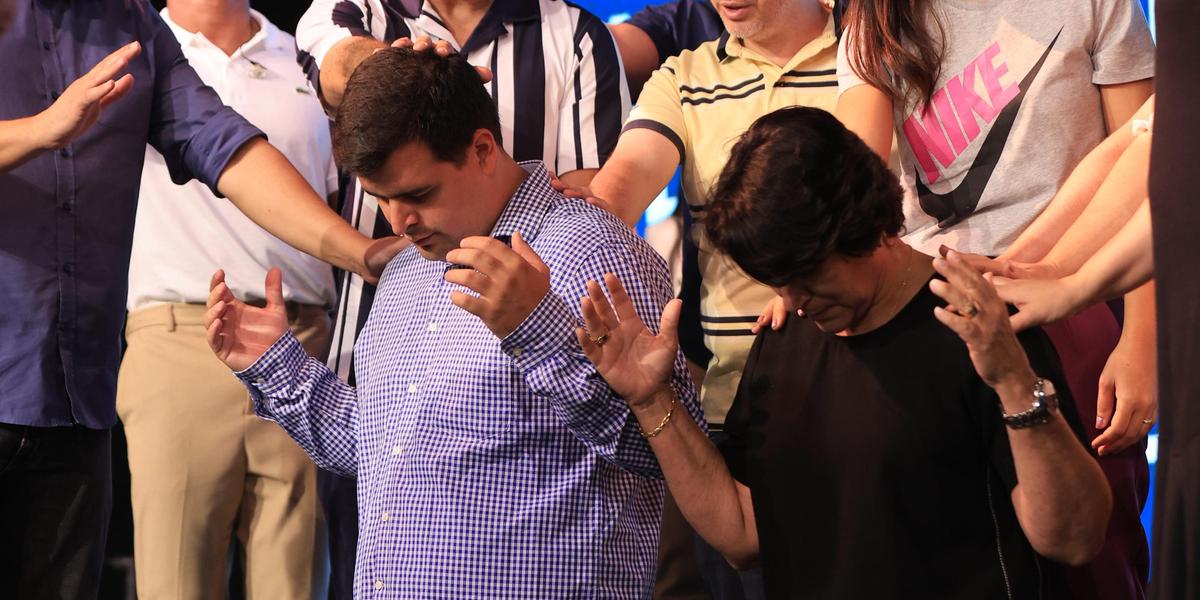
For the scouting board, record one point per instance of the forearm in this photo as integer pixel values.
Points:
(716, 505)
(1122, 264)
(1062, 217)
(19, 142)
(340, 62)
(1116, 200)
(638, 170)
(308, 401)
(1062, 499)
(289, 208)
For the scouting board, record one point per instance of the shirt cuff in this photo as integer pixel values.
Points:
(273, 372)
(546, 331)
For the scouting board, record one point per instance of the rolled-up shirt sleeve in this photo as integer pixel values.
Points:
(189, 125)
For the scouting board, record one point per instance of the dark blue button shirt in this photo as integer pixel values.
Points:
(66, 217)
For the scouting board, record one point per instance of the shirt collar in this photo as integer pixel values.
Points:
(507, 10)
(729, 47)
(268, 34)
(529, 205)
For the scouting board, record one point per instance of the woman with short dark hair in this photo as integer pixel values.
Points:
(871, 453)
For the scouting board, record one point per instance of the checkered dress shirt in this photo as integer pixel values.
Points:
(489, 468)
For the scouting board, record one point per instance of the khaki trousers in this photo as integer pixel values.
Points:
(204, 467)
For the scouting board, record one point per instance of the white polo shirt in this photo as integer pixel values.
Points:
(185, 233)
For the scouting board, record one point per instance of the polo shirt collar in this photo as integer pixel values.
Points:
(529, 205)
(268, 34)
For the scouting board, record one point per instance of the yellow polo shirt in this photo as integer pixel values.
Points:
(702, 100)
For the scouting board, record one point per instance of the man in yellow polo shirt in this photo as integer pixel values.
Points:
(774, 54)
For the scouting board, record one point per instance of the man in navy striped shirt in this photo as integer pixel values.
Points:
(493, 461)
(561, 95)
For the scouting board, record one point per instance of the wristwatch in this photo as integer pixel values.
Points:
(1045, 403)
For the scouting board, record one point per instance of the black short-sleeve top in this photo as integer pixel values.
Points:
(879, 465)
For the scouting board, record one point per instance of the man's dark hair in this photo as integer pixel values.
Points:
(798, 188)
(397, 96)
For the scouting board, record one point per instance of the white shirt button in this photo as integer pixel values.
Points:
(412, 388)
(378, 584)
(396, 450)
(384, 516)
(434, 327)
(260, 380)
(517, 352)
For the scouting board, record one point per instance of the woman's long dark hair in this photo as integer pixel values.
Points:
(893, 48)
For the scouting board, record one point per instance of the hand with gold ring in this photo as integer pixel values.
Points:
(634, 361)
(977, 314)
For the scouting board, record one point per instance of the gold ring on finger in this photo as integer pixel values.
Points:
(970, 310)
(1147, 421)
(600, 339)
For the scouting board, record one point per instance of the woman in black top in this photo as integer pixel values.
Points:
(872, 454)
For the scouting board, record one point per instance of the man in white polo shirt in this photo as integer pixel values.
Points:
(204, 468)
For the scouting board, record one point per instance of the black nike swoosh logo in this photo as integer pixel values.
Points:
(961, 202)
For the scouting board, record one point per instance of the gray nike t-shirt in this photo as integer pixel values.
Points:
(1017, 106)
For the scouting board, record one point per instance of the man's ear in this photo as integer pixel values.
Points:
(485, 150)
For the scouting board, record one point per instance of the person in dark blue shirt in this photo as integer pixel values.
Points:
(88, 85)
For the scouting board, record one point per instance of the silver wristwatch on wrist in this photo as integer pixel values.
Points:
(1045, 403)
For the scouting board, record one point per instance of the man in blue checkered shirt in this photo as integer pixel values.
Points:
(492, 460)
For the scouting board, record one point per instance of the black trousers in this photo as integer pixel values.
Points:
(55, 500)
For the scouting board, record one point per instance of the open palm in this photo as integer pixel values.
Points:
(239, 333)
(635, 362)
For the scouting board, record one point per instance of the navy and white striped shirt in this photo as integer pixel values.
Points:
(489, 468)
(556, 79)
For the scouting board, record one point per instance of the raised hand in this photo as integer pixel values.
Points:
(636, 363)
(977, 314)
(80, 105)
(239, 333)
(510, 281)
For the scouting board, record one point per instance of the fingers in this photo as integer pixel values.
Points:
(764, 319)
(957, 323)
(1119, 434)
(469, 303)
(484, 73)
(274, 290)
(95, 95)
(220, 293)
(668, 325)
(471, 279)
(108, 67)
(212, 333)
(525, 251)
(488, 259)
(604, 310)
(621, 302)
(1105, 398)
(404, 42)
(119, 89)
(591, 318)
